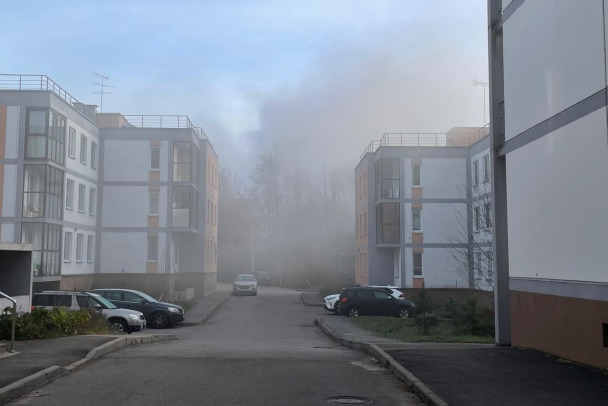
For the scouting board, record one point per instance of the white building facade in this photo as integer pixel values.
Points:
(550, 137)
(414, 200)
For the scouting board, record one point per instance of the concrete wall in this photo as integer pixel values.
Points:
(129, 160)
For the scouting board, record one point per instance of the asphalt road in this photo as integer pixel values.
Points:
(262, 350)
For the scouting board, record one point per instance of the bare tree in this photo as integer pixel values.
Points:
(473, 262)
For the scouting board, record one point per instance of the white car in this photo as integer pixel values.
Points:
(245, 284)
(391, 290)
(330, 303)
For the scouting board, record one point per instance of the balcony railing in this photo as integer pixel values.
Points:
(43, 82)
(427, 140)
(165, 121)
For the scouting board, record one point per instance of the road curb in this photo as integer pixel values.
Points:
(206, 316)
(28, 384)
(388, 362)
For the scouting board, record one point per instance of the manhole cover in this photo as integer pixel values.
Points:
(349, 400)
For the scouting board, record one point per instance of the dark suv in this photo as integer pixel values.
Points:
(158, 314)
(355, 302)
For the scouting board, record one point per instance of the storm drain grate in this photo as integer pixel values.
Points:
(349, 400)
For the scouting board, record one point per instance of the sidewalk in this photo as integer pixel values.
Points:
(37, 362)
(473, 374)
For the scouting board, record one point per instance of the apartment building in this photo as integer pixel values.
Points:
(550, 142)
(420, 210)
(104, 194)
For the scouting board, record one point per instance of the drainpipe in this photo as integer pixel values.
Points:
(14, 319)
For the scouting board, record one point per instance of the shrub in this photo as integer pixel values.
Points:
(424, 305)
(42, 323)
(469, 319)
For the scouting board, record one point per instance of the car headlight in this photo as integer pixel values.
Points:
(173, 309)
(134, 316)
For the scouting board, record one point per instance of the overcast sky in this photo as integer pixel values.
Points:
(313, 81)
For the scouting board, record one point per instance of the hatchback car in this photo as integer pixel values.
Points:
(330, 303)
(121, 320)
(245, 284)
(358, 301)
(157, 314)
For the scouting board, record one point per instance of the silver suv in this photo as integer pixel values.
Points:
(121, 320)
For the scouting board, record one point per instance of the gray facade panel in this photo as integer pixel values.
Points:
(572, 289)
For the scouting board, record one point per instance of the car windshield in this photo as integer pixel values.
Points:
(245, 278)
(103, 301)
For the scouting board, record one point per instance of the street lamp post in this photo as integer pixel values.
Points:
(484, 85)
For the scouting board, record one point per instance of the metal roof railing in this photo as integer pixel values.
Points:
(43, 82)
(427, 140)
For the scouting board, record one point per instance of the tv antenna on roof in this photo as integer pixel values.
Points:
(102, 87)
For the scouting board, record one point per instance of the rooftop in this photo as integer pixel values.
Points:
(456, 137)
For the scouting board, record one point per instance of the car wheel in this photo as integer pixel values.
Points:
(159, 320)
(255, 294)
(403, 313)
(353, 312)
(337, 308)
(119, 326)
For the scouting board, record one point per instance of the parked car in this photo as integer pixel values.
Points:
(391, 290)
(157, 314)
(245, 284)
(121, 320)
(263, 278)
(331, 303)
(358, 301)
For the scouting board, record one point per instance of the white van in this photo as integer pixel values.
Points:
(121, 320)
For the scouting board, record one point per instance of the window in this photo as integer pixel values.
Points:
(35, 146)
(387, 178)
(181, 161)
(477, 218)
(488, 215)
(67, 246)
(90, 240)
(152, 248)
(79, 242)
(490, 266)
(184, 207)
(92, 201)
(81, 197)
(387, 216)
(83, 149)
(416, 175)
(486, 168)
(69, 195)
(42, 191)
(72, 143)
(154, 158)
(365, 224)
(45, 135)
(93, 155)
(46, 241)
(416, 221)
(478, 265)
(153, 202)
(475, 173)
(417, 264)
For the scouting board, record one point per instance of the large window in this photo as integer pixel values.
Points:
(417, 259)
(153, 206)
(152, 247)
(83, 149)
(154, 158)
(387, 178)
(92, 201)
(90, 242)
(182, 155)
(81, 197)
(79, 244)
(69, 195)
(476, 173)
(416, 175)
(477, 218)
(45, 135)
(486, 168)
(487, 211)
(93, 155)
(67, 246)
(387, 215)
(72, 143)
(42, 191)
(416, 220)
(46, 241)
(185, 205)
